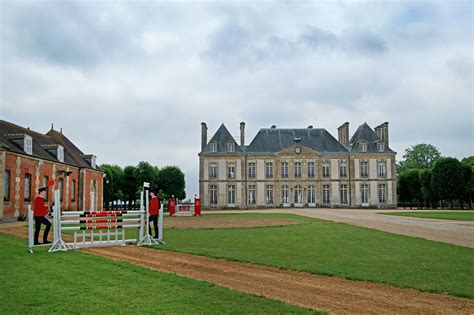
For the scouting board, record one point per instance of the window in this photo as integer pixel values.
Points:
(252, 196)
(28, 145)
(6, 185)
(382, 170)
(27, 190)
(213, 194)
(364, 189)
(297, 169)
(311, 194)
(284, 169)
(284, 194)
(230, 147)
(93, 164)
(213, 170)
(213, 146)
(343, 193)
(382, 193)
(61, 188)
(269, 169)
(364, 168)
(73, 190)
(231, 194)
(326, 194)
(231, 171)
(269, 194)
(310, 169)
(45, 184)
(363, 146)
(381, 147)
(252, 170)
(326, 170)
(298, 194)
(343, 170)
(60, 155)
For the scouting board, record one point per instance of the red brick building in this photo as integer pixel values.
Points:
(28, 160)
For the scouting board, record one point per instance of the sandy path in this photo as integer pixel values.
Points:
(332, 294)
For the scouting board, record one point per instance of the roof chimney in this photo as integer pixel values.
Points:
(382, 132)
(203, 135)
(273, 127)
(242, 134)
(343, 134)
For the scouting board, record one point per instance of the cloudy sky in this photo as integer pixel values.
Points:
(132, 81)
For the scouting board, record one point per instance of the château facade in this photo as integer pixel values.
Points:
(305, 167)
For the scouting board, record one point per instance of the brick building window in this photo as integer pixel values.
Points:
(326, 194)
(343, 193)
(231, 194)
(269, 169)
(364, 189)
(28, 145)
(213, 194)
(343, 170)
(284, 194)
(364, 168)
(231, 171)
(382, 170)
(213, 170)
(310, 169)
(60, 153)
(6, 185)
(284, 169)
(252, 170)
(45, 184)
(382, 193)
(297, 169)
(73, 190)
(311, 194)
(298, 194)
(61, 188)
(252, 196)
(27, 189)
(269, 194)
(326, 170)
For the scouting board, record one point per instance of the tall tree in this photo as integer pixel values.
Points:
(130, 185)
(468, 164)
(112, 183)
(419, 156)
(171, 182)
(426, 189)
(448, 180)
(144, 172)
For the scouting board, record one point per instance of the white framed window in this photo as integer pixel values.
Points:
(298, 194)
(269, 194)
(213, 146)
(364, 190)
(343, 170)
(60, 155)
(382, 169)
(364, 168)
(284, 169)
(381, 147)
(297, 169)
(252, 195)
(231, 171)
(252, 170)
(231, 194)
(311, 194)
(284, 194)
(363, 146)
(45, 184)
(27, 190)
(93, 161)
(269, 169)
(382, 193)
(326, 194)
(213, 194)
(326, 170)
(28, 145)
(231, 147)
(213, 170)
(343, 193)
(310, 169)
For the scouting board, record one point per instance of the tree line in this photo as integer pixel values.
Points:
(124, 184)
(426, 179)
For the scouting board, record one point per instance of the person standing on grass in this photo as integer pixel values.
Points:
(40, 213)
(154, 211)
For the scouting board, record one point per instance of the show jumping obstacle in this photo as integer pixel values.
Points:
(184, 209)
(99, 228)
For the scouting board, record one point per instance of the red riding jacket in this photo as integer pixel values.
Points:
(154, 206)
(39, 208)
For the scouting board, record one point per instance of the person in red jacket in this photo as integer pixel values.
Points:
(154, 211)
(40, 212)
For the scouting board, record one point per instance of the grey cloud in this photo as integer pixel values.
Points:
(363, 42)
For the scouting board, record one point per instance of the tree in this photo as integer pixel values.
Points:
(112, 183)
(171, 182)
(130, 185)
(468, 164)
(419, 156)
(448, 180)
(144, 172)
(426, 189)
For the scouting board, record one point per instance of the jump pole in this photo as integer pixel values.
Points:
(147, 239)
(58, 243)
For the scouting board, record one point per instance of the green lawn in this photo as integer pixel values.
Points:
(338, 249)
(455, 215)
(79, 283)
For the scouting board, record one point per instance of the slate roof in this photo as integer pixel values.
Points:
(222, 137)
(365, 133)
(41, 143)
(276, 139)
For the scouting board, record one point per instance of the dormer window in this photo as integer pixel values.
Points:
(28, 145)
(381, 147)
(363, 146)
(213, 147)
(60, 153)
(231, 147)
(93, 164)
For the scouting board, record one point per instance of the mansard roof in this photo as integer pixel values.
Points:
(43, 144)
(222, 137)
(366, 134)
(277, 139)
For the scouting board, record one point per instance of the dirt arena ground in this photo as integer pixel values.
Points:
(332, 294)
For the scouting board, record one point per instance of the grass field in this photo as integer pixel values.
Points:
(78, 283)
(337, 249)
(455, 215)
